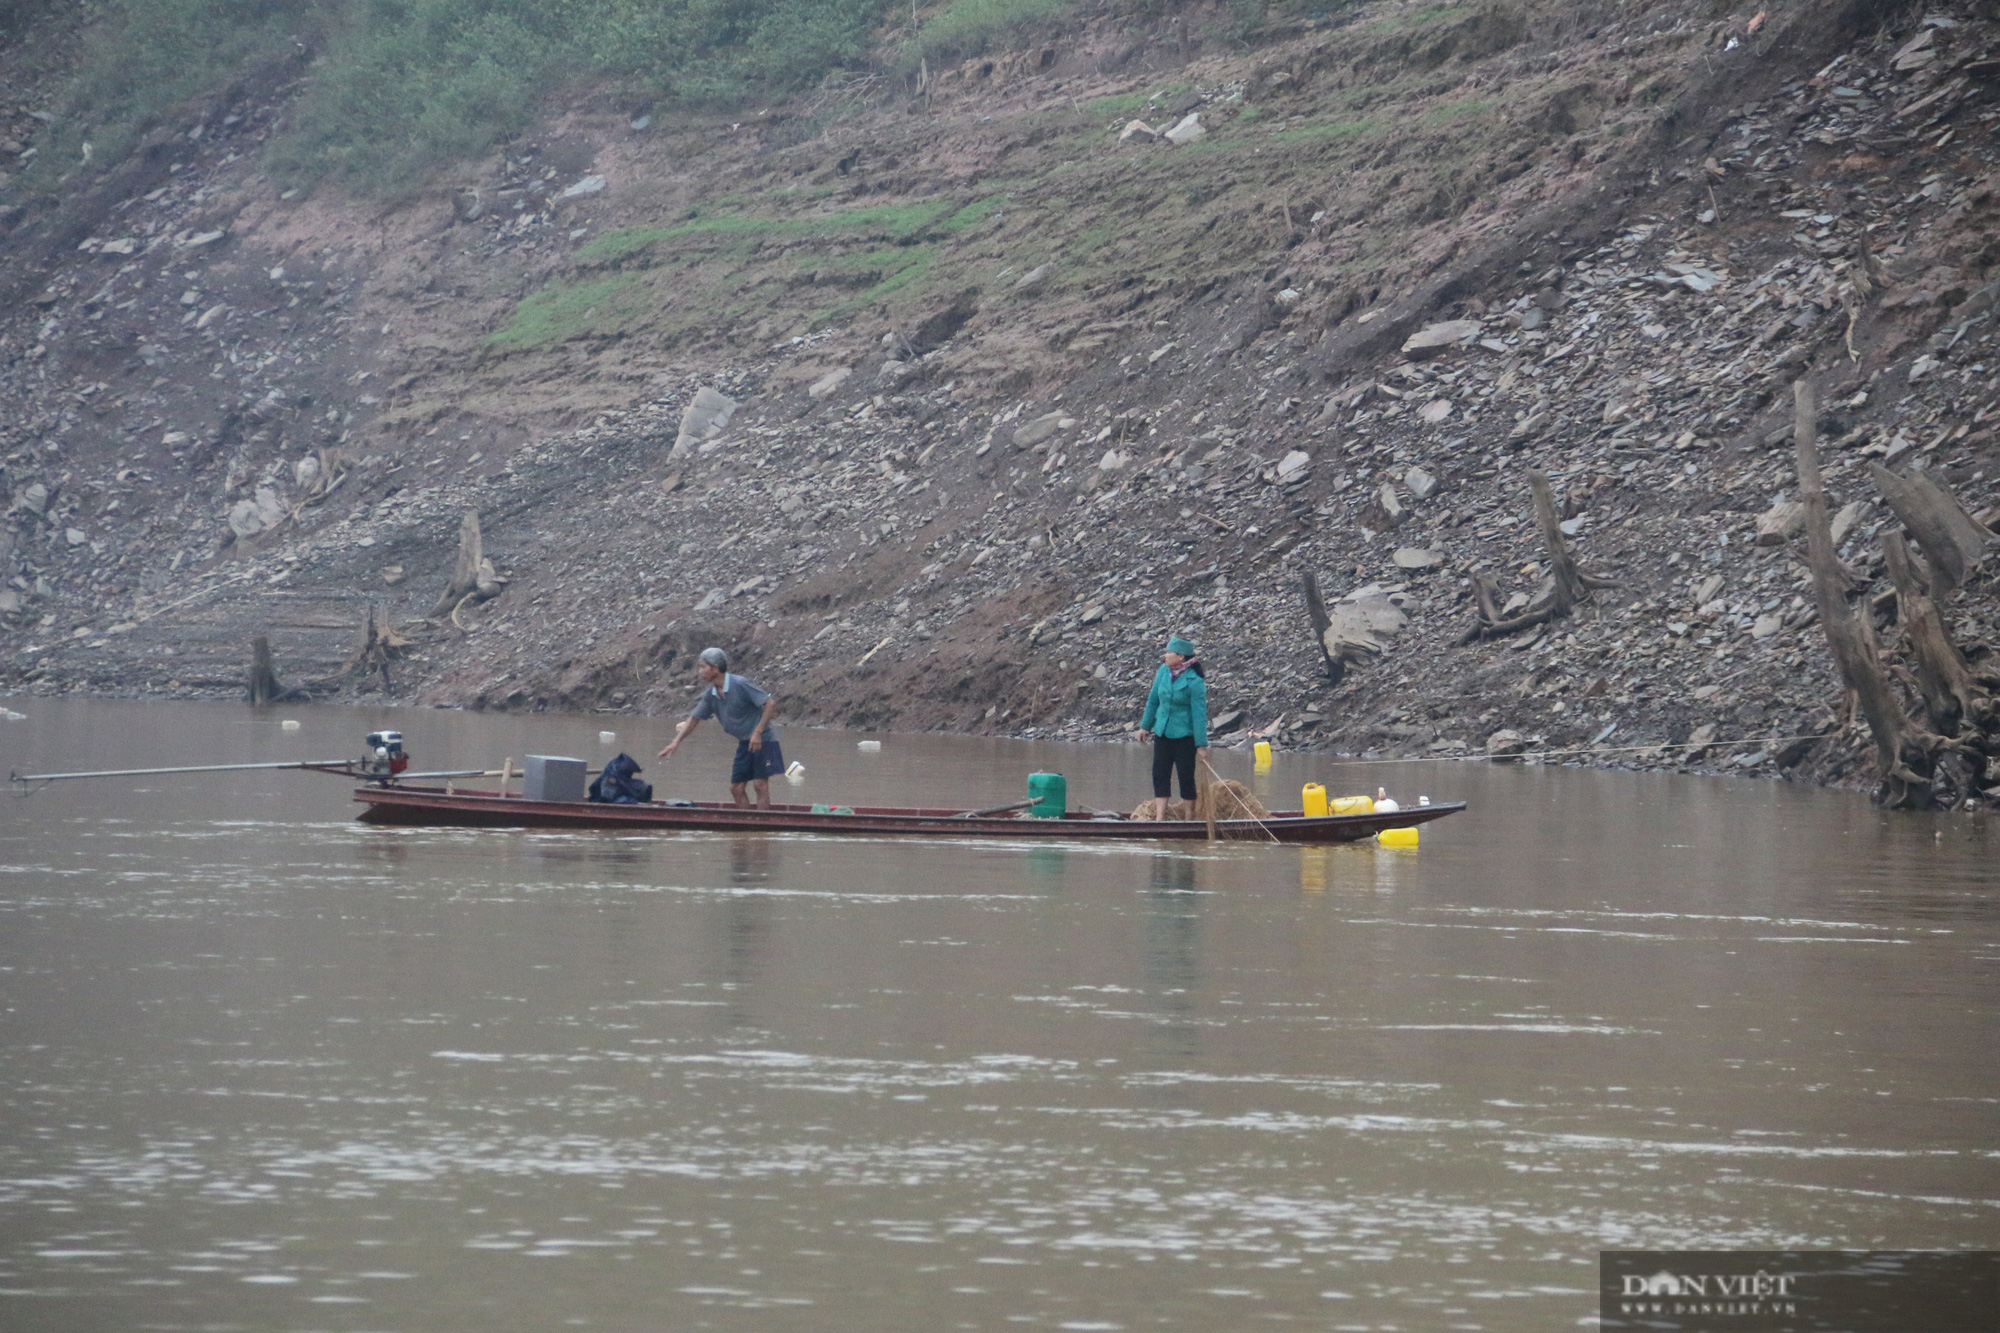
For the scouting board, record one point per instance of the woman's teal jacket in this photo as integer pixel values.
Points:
(1178, 707)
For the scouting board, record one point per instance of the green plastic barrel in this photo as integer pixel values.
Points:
(1050, 795)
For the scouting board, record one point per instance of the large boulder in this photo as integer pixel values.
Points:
(247, 518)
(827, 383)
(1434, 340)
(1041, 428)
(706, 418)
(1361, 623)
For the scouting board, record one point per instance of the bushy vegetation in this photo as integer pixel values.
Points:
(397, 87)
(407, 84)
(963, 27)
(147, 55)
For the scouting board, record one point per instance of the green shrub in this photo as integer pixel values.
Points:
(144, 57)
(407, 86)
(410, 84)
(965, 27)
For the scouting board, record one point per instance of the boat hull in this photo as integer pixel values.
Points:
(438, 808)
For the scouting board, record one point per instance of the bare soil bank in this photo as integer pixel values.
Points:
(1019, 393)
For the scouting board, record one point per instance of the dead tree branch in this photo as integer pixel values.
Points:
(1953, 543)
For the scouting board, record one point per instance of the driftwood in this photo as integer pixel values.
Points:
(1951, 540)
(1905, 756)
(263, 686)
(1566, 586)
(473, 578)
(1865, 280)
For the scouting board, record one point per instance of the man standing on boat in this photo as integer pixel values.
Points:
(745, 712)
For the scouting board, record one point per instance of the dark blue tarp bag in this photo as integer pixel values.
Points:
(619, 783)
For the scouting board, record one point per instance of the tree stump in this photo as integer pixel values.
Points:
(378, 641)
(263, 686)
(1905, 756)
(1943, 677)
(465, 574)
(1566, 586)
(1336, 667)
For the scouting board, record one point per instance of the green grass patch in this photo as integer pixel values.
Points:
(862, 261)
(1459, 110)
(1091, 241)
(1368, 127)
(1118, 106)
(903, 222)
(558, 313)
(973, 214)
(914, 271)
(143, 58)
(1215, 142)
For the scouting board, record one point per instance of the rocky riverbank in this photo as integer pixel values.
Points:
(995, 394)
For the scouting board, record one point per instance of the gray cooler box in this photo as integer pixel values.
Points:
(553, 778)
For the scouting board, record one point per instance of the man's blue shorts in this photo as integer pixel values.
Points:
(753, 766)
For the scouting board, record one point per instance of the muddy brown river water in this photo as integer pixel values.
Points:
(267, 1068)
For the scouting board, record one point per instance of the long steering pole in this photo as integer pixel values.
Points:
(344, 767)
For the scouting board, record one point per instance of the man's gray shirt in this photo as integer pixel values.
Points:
(738, 703)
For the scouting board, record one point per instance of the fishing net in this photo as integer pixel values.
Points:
(1231, 799)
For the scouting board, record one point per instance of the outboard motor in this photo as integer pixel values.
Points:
(385, 757)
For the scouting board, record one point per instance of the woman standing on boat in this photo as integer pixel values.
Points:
(1176, 719)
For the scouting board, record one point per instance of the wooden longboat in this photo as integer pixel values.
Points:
(437, 807)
